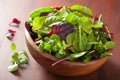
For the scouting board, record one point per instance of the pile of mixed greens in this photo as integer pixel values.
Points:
(72, 33)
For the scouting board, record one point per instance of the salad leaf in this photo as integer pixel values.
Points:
(69, 32)
(23, 52)
(37, 12)
(71, 18)
(86, 24)
(82, 9)
(38, 23)
(62, 13)
(105, 54)
(61, 54)
(98, 24)
(61, 29)
(74, 56)
(51, 19)
(22, 61)
(13, 67)
(109, 45)
(15, 57)
(13, 47)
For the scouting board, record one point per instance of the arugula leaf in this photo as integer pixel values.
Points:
(13, 47)
(37, 12)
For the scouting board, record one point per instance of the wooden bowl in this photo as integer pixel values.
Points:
(66, 68)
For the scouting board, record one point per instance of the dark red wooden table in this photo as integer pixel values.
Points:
(110, 9)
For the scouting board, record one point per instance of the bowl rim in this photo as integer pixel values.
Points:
(53, 58)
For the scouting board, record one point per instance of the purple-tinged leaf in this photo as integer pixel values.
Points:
(10, 34)
(61, 29)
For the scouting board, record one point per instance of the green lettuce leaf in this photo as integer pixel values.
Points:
(37, 12)
(82, 9)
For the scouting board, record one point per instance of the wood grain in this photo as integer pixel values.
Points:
(32, 71)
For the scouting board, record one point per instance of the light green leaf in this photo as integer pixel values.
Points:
(62, 13)
(74, 56)
(14, 57)
(51, 19)
(38, 23)
(13, 68)
(71, 18)
(13, 47)
(109, 45)
(61, 54)
(22, 61)
(86, 24)
(82, 9)
(23, 52)
(38, 12)
(98, 24)
(105, 54)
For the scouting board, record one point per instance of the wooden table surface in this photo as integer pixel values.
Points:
(110, 9)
